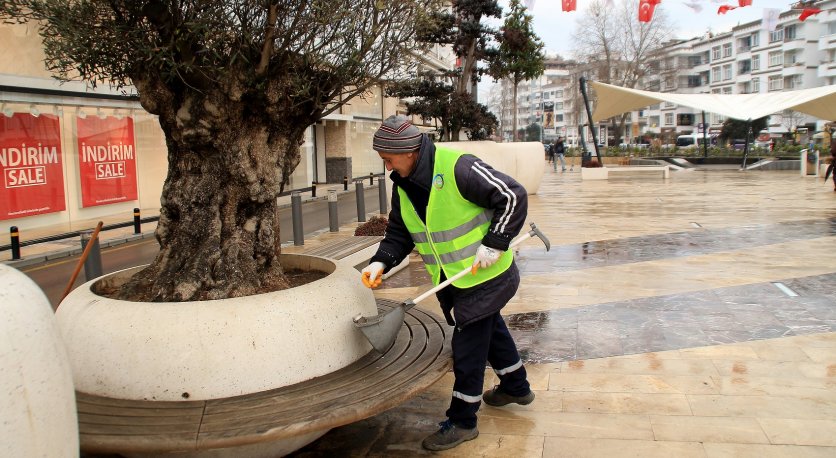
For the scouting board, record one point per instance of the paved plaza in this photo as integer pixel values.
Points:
(693, 316)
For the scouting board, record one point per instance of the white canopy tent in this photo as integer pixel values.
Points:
(819, 102)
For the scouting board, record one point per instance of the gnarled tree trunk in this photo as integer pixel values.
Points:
(218, 228)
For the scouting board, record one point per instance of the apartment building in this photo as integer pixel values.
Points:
(547, 101)
(749, 59)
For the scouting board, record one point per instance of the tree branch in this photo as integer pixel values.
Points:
(267, 46)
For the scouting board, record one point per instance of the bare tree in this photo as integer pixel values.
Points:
(616, 46)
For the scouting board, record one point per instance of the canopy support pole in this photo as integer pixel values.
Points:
(746, 145)
(704, 136)
(589, 116)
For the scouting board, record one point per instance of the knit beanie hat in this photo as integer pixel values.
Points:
(397, 135)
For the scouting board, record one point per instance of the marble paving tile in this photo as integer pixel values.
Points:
(707, 429)
(567, 424)
(626, 403)
(559, 447)
(721, 450)
(800, 432)
(706, 405)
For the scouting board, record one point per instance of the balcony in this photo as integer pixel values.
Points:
(827, 70)
(793, 44)
(796, 68)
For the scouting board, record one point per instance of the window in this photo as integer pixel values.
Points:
(776, 83)
(756, 85)
(558, 117)
(558, 94)
(668, 119)
(694, 81)
(558, 106)
(727, 50)
(654, 121)
(744, 67)
(793, 82)
(685, 119)
(670, 105)
(776, 35)
(756, 39)
(727, 90)
(715, 74)
(727, 72)
(745, 88)
(744, 44)
(776, 58)
(789, 33)
(831, 28)
(756, 62)
(715, 53)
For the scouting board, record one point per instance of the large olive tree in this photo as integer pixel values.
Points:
(235, 83)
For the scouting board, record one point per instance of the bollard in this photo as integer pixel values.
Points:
(15, 243)
(371, 179)
(313, 189)
(137, 223)
(333, 219)
(296, 216)
(345, 183)
(361, 201)
(93, 263)
(381, 192)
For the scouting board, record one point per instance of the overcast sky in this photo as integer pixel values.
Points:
(556, 27)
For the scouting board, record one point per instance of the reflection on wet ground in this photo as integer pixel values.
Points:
(721, 316)
(661, 246)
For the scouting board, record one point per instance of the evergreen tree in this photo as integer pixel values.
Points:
(445, 95)
(520, 55)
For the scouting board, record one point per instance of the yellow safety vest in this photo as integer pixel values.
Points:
(455, 227)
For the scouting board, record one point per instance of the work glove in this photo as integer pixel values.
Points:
(485, 257)
(372, 275)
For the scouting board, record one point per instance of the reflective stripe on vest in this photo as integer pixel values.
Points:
(455, 227)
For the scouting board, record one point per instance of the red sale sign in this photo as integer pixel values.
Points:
(106, 160)
(31, 163)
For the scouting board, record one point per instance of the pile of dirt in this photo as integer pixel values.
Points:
(376, 225)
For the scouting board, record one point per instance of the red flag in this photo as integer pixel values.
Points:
(807, 12)
(569, 5)
(743, 3)
(725, 9)
(646, 8)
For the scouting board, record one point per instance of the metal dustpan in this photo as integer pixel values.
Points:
(382, 330)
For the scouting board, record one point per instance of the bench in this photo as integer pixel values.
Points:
(602, 173)
(420, 356)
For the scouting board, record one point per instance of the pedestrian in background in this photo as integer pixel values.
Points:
(559, 151)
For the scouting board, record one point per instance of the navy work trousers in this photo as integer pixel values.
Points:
(486, 340)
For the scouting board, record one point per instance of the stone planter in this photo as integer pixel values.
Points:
(214, 349)
(36, 387)
(594, 173)
(522, 161)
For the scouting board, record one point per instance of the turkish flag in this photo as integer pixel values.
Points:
(569, 5)
(725, 9)
(807, 12)
(744, 3)
(646, 8)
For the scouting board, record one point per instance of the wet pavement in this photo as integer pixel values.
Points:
(692, 316)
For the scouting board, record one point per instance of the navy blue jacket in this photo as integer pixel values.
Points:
(479, 183)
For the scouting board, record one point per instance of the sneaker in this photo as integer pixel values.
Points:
(449, 436)
(497, 398)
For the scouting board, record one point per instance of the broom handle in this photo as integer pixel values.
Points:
(81, 262)
(461, 274)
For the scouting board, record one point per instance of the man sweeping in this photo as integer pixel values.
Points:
(460, 214)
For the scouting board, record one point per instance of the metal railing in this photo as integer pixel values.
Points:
(16, 244)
